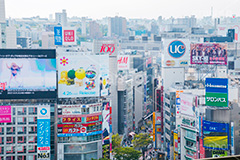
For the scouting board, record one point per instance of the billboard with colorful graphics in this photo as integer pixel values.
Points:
(65, 36)
(208, 53)
(123, 62)
(188, 104)
(27, 74)
(176, 52)
(216, 135)
(82, 75)
(216, 92)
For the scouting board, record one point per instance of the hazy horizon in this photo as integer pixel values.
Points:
(94, 9)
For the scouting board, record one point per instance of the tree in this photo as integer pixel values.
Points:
(116, 141)
(126, 153)
(141, 141)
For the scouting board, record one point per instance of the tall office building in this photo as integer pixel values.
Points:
(61, 18)
(2, 25)
(117, 26)
(84, 29)
(94, 31)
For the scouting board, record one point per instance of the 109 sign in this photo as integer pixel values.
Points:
(176, 49)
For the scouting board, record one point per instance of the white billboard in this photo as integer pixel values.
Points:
(188, 104)
(123, 62)
(82, 75)
(176, 52)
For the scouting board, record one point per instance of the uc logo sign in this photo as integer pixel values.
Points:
(176, 49)
(43, 111)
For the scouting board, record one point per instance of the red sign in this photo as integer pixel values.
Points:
(122, 60)
(77, 125)
(69, 36)
(74, 130)
(43, 148)
(3, 86)
(107, 48)
(71, 119)
(92, 118)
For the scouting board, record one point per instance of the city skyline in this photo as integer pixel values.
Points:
(130, 9)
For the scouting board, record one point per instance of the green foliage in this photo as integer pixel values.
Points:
(101, 159)
(141, 140)
(106, 151)
(116, 141)
(127, 153)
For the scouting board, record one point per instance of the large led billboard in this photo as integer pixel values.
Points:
(216, 135)
(82, 75)
(27, 74)
(208, 53)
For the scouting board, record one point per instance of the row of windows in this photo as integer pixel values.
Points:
(20, 139)
(30, 157)
(18, 149)
(19, 130)
(79, 139)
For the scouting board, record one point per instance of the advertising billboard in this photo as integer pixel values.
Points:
(65, 36)
(82, 75)
(178, 108)
(175, 141)
(106, 128)
(208, 53)
(43, 132)
(148, 62)
(106, 47)
(27, 74)
(216, 135)
(58, 35)
(216, 92)
(188, 104)
(5, 114)
(123, 62)
(219, 154)
(176, 52)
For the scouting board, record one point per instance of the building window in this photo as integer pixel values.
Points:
(21, 149)
(13, 121)
(10, 149)
(1, 131)
(10, 130)
(21, 120)
(32, 139)
(10, 158)
(32, 157)
(22, 139)
(21, 130)
(32, 149)
(32, 110)
(32, 130)
(21, 157)
(32, 120)
(10, 140)
(21, 110)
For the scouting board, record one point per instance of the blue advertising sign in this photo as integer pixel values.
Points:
(58, 35)
(176, 49)
(43, 132)
(215, 126)
(216, 85)
(232, 139)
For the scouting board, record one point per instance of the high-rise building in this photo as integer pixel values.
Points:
(11, 37)
(84, 29)
(2, 25)
(94, 31)
(117, 26)
(61, 18)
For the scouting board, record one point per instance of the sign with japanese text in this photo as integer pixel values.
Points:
(71, 119)
(43, 132)
(5, 114)
(92, 118)
(216, 92)
(65, 36)
(58, 35)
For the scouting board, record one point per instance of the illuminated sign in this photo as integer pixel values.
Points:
(92, 118)
(176, 49)
(107, 48)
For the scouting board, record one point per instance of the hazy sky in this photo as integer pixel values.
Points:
(97, 9)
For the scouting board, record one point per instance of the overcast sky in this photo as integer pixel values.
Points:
(97, 9)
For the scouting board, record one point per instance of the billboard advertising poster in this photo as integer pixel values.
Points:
(82, 75)
(216, 92)
(208, 53)
(216, 135)
(106, 114)
(188, 104)
(69, 36)
(178, 103)
(123, 62)
(43, 132)
(219, 154)
(176, 52)
(232, 139)
(5, 114)
(58, 35)
(106, 47)
(27, 74)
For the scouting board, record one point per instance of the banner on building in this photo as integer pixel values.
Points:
(43, 132)
(65, 36)
(188, 104)
(5, 114)
(209, 53)
(27, 74)
(176, 52)
(82, 75)
(216, 92)
(123, 62)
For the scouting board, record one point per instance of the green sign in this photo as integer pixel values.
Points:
(219, 153)
(216, 99)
